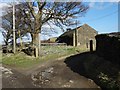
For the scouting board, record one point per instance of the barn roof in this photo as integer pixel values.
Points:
(70, 32)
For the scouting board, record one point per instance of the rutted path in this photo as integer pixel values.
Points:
(53, 74)
(14, 79)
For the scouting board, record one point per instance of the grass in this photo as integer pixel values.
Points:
(21, 60)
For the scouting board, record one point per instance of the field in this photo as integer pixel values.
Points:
(21, 60)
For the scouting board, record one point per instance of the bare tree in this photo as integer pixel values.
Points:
(57, 13)
(7, 25)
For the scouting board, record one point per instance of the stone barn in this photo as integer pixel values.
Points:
(80, 36)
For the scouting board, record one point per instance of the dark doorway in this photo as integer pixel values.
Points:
(91, 45)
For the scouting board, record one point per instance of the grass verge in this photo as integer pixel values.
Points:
(23, 61)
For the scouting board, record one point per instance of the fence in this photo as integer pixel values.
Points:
(53, 44)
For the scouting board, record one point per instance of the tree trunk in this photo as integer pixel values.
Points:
(6, 48)
(35, 43)
(39, 44)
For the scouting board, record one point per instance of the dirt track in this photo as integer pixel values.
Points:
(53, 74)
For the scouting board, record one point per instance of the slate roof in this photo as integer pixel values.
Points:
(70, 32)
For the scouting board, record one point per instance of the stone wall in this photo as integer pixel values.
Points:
(108, 46)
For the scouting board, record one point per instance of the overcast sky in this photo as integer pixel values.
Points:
(102, 16)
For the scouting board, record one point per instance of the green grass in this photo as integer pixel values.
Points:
(21, 60)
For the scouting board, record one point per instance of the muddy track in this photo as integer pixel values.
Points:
(52, 74)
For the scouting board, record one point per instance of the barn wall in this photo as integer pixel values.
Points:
(108, 46)
(80, 36)
(85, 35)
(66, 39)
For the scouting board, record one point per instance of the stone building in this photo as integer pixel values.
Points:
(80, 36)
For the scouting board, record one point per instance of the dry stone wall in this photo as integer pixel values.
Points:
(108, 46)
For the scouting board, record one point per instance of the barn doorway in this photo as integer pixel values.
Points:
(91, 45)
